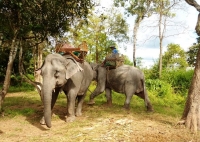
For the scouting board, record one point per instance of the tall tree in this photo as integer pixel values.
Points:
(191, 114)
(139, 8)
(19, 19)
(163, 9)
(101, 31)
(174, 57)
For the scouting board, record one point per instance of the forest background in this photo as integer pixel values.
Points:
(26, 38)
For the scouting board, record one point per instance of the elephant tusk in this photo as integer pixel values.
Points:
(39, 87)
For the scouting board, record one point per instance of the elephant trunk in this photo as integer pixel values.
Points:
(47, 96)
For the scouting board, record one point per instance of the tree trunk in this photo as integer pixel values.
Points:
(97, 52)
(6, 85)
(191, 114)
(160, 44)
(162, 28)
(160, 56)
(38, 78)
(37, 85)
(135, 30)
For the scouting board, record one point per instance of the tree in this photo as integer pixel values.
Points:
(191, 113)
(22, 20)
(163, 8)
(174, 57)
(139, 8)
(192, 54)
(101, 31)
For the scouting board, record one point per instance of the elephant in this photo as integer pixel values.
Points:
(124, 79)
(64, 73)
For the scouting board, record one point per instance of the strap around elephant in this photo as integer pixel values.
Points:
(71, 58)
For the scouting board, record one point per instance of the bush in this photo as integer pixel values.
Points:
(162, 88)
(179, 79)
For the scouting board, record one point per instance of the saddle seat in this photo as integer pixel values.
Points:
(113, 62)
(78, 53)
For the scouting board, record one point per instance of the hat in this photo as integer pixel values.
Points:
(113, 47)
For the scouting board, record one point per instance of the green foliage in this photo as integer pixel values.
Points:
(18, 85)
(174, 57)
(192, 54)
(179, 79)
(127, 61)
(21, 86)
(18, 17)
(163, 97)
(100, 31)
(163, 88)
(168, 93)
(152, 73)
(141, 8)
(170, 105)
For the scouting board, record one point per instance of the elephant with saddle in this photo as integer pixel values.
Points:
(124, 79)
(64, 73)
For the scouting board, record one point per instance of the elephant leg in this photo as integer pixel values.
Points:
(147, 102)
(98, 90)
(130, 89)
(54, 98)
(71, 100)
(127, 101)
(79, 105)
(109, 96)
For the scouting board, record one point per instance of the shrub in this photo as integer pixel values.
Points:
(179, 79)
(162, 88)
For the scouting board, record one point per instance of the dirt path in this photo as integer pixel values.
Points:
(98, 124)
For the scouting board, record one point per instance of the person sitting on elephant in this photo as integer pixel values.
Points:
(110, 58)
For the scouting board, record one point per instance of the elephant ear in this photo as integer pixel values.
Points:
(71, 69)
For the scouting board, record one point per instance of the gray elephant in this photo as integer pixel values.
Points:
(124, 79)
(64, 73)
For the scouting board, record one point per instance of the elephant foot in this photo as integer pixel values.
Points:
(127, 107)
(109, 103)
(78, 114)
(42, 121)
(70, 118)
(91, 102)
(149, 109)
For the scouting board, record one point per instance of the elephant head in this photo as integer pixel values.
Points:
(55, 71)
(94, 67)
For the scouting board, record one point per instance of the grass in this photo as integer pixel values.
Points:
(23, 111)
(171, 106)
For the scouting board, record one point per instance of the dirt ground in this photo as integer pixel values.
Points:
(98, 124)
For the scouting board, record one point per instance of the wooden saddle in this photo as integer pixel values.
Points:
(78, 53)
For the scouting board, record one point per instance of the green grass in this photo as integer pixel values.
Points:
(20, 104)
(24, 110)
(21, 88)
(28, 103)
